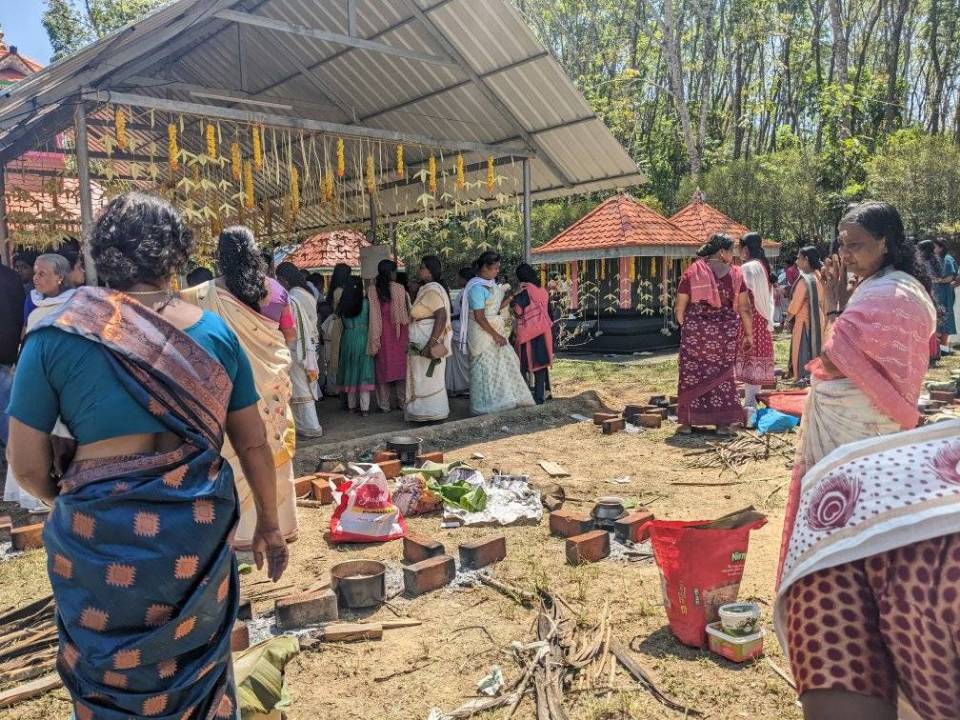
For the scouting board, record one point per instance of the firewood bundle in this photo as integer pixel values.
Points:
(28, 642)
(564, 660)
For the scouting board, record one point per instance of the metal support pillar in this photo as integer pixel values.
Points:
(83, 175)
(6, 257)
(527, 207)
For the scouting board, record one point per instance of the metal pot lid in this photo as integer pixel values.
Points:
(404, 440)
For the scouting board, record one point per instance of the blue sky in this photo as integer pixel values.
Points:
(21, 27)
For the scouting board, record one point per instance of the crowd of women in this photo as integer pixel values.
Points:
(729, 313)
(867, 591)
(158, 426)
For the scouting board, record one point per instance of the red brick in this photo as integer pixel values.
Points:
(322, 491)
(429, 575)
(296, 611)
(567, 523)
(417, 548)
(436, 457)
(245, 611)
(629, 526)
(303, 486)
(336, 478)
(239, 637)
(589, 547)
(946, 396)
(599, 417)
(382, 456)
(391, 469)
(614, 426)
(650, 420)
(476, 555)
(28, 537)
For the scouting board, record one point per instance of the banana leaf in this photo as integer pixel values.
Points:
(259, 676)
(462, 494)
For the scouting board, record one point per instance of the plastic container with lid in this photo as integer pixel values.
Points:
(734, 648)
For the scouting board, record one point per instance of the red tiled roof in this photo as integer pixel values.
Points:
(13, 65)
(329, 248)
(703, 220)
(618, 222)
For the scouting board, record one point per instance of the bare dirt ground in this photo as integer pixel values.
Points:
(465, 632)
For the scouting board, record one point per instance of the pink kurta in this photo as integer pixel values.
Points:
(390, 363)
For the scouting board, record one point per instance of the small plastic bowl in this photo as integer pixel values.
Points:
(740, 618)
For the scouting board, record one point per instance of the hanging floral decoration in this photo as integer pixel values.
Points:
(633, 270)
(257, 144)
(491, 175)
(603, 269)
(341, 158)
(543, 276)
(371, 175)
(294, 190)
(236, 162)
(211, 141)
(401, 168)
(173, 151)
(328, 187)
(432, 174)
(653, 267)
(248, 185)
(461, 176)
(120, 125)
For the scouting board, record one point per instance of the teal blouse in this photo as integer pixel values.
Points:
(66, 375)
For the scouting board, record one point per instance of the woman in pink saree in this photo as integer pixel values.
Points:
(867, 603)
(712, 302)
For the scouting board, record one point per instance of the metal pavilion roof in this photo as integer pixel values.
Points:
(441, 76)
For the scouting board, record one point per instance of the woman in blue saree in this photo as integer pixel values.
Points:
(143, 575)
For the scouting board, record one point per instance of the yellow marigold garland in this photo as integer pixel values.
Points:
(371, 175)
(432, 174)
(341, 158)
(461, 177)
(633, 270)
(491, 175)
(120, 123)
(603, 269)
(173, 151)
(257, 143)
(653, 267)
(211, 141)
(328, 187)
(543, 276)
(294, 190)
(401, 168)
(248, 185)
(236, 162)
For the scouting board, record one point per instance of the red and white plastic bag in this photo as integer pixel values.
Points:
(365, 511)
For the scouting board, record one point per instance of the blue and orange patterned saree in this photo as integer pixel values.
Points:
(144, 578)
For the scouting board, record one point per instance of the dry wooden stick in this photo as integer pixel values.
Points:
(30, 690)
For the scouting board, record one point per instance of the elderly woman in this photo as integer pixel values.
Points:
(712, 304)
(52, 287)
(241, 298)
(496, 383)
(866, 603)
(305, 371)
(430, 332)
(144, 580)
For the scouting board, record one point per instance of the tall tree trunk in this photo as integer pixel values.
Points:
(841, 59)
(894, 103)
(672, 33)
(737, 109)
(707, 10)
